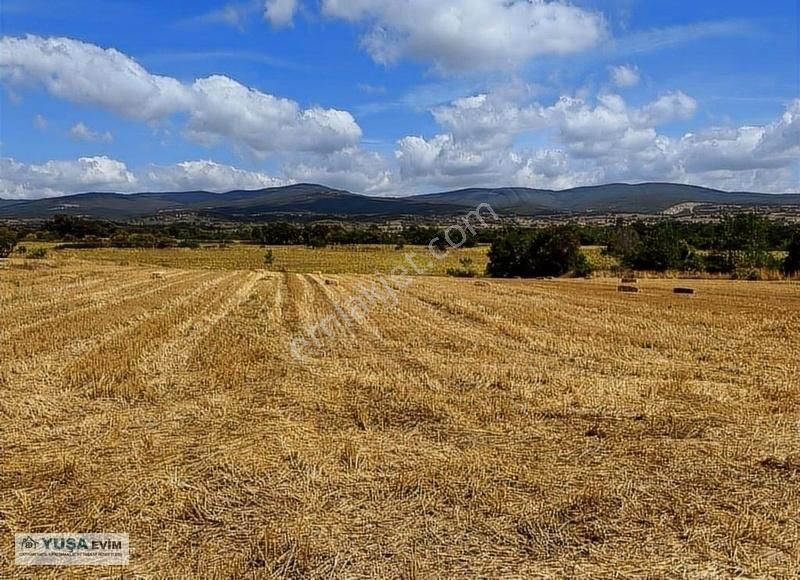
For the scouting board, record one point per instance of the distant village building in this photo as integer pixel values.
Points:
(394, 226)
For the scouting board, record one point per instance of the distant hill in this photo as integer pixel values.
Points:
(614, 198)
(7, 202)
(318, 200)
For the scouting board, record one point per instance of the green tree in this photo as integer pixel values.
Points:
(278, 234)
(744, 240)
(623, 241)
(690, 259)
(660, 249)
(554, 251)
(791, 265)
(142, 241)
(8, 240)
(316, 235)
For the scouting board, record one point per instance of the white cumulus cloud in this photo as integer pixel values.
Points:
(489, 119)
(85, 73)
(54, 178)
(205, 175)
(446, 162)
(468, 35)
(217, 106)
(352, 169)
(22, 181)
(597, 142)
(226, 108)
(669, 107)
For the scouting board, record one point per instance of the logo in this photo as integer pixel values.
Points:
(28, 543)
(71, 549)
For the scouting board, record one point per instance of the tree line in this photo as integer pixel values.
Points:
(739, 245)
(77, 232)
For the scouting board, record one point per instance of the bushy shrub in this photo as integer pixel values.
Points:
(749, 274)
(37, 254)
(439, 242)
(134, 241)
(163, 243)
(717, 263)
(466, 269)
(583, 268)
(191, 244)
(690, 259)
(8, 240)
(316, 242)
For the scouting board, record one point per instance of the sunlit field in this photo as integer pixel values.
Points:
(471, 428)
(343, 259)
(363, 259)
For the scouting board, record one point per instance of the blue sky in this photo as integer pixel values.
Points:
(387, 97)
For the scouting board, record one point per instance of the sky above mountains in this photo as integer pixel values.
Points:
(390, 97)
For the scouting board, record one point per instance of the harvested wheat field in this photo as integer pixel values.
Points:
(349, 259)
(514, 429)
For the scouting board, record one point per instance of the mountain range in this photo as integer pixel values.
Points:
(306, 199)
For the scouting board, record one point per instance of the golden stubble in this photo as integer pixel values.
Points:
(552, 428)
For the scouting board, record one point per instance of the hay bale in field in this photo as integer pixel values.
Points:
(626, 288)
(157, 275)
(629, 280)
(682, 290)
